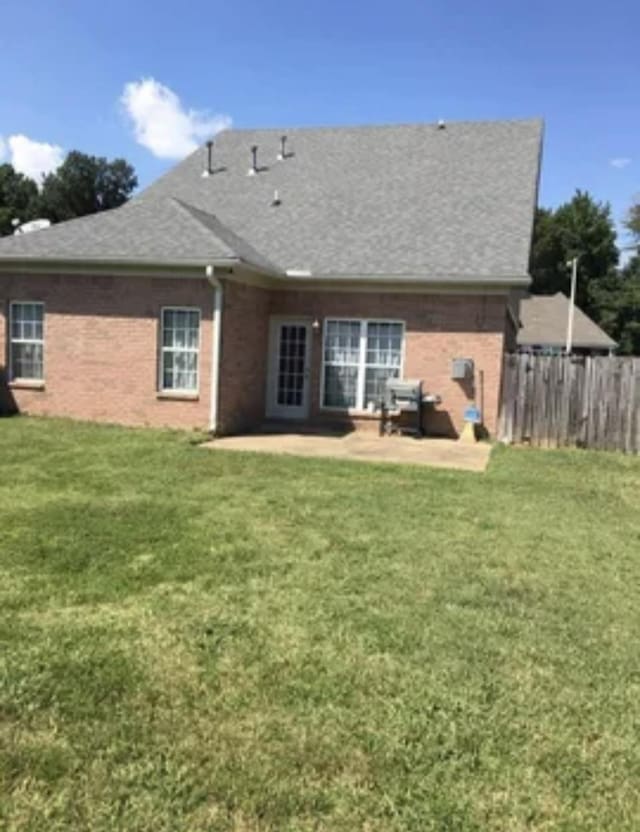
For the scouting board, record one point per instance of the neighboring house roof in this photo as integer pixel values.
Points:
(543, 320)
(413, 201)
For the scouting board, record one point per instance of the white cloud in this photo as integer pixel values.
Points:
(620, 162)
(34, 159)
(161, 123)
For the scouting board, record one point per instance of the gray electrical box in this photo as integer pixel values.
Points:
(462, 368)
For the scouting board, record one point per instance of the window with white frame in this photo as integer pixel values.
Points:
(359, 356)
(26, 347)
(180, 348)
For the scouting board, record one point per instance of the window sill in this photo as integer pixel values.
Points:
(178, 396)
(351, 411)
(26, 384)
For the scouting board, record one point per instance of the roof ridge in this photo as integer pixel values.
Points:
(191, 212)
(382, 125)
(237, 245)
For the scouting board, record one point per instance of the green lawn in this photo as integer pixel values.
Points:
(195, 640)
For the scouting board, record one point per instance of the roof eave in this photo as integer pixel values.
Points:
(514, 280)
(41, 265)
(581, 345)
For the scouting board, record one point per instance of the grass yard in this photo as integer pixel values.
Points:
(195, 640)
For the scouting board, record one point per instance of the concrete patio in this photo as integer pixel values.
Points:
(363, 446)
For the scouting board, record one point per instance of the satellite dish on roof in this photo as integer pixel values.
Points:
(33, 225)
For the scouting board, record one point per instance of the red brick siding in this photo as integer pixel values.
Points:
(243, 368)
(7, 405)
(101, 347)
(439, 328)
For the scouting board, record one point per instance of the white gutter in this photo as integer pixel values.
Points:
(298, 273)
(303, 276)
(216, 347)
(149, 265)
(63, 265)
(7, 261)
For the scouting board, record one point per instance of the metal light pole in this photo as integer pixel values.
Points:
(572, 304)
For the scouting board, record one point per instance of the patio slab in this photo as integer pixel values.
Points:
(439, 453)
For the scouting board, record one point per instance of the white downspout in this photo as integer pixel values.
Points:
(216, 344)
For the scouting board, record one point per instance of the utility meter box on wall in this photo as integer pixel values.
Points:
(461, 368)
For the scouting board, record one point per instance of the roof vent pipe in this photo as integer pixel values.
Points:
(441, 124)
(254, 164)
(283, 148)
(209, 166)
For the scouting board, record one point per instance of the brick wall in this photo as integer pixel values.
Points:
(7, 403)
(245, 330)
(439, 328)
(101, 347)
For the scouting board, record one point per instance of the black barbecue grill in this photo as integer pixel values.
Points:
(403, 406)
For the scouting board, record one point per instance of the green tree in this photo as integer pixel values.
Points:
(581, 227)
(18, 198)
(548, 255)
(85, 185)
(629, 314)
(633, 221)
(616, 300)
(616, 304)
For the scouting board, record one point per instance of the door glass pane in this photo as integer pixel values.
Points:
(292, 350)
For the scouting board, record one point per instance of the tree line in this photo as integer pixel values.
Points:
(583, 227)
(81, 185)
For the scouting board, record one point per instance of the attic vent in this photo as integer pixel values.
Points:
(208, 168)
(254, 161)
(283, 148)
(441, 124)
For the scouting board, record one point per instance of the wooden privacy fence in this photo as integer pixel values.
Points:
(570, 400)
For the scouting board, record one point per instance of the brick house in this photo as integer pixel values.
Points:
(280, 277)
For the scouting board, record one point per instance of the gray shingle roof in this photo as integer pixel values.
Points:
(544, 322)
(156, 230)
(409, 200)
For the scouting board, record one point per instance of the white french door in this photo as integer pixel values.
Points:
(289, 366)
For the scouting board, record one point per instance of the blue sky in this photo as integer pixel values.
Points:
(66, 66)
